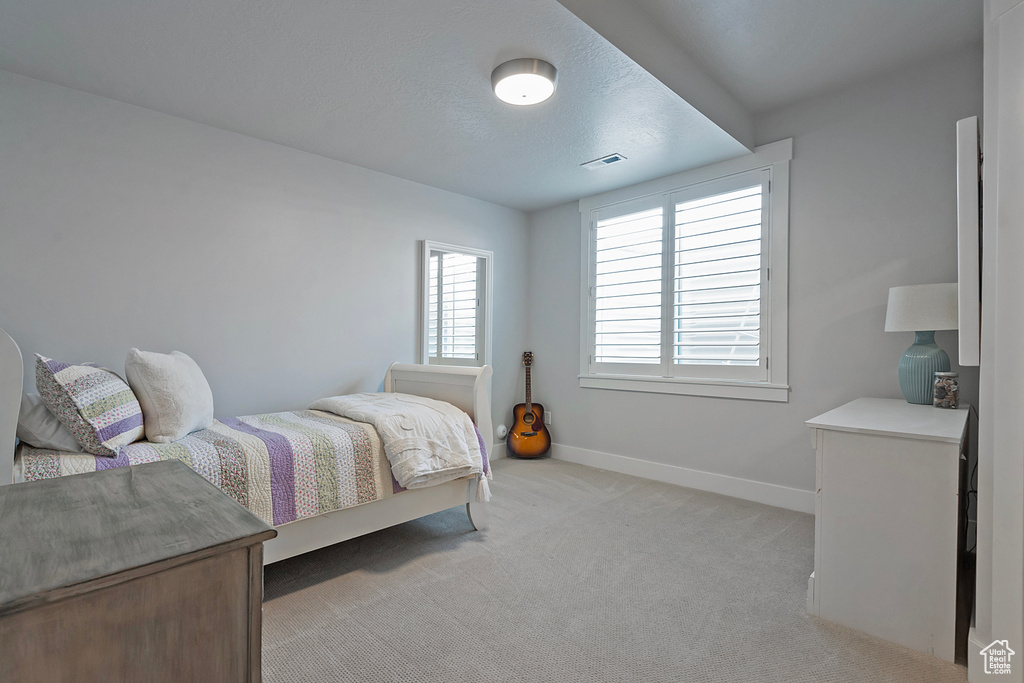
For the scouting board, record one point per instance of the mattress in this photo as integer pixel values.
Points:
(281, 466)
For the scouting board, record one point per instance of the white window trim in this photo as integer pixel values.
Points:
(486, 304)
(776, 157)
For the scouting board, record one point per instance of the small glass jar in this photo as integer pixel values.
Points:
(947, 390)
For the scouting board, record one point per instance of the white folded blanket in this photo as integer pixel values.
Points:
(427, 442)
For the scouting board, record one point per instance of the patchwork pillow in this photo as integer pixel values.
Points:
(175, 397)
(96, 405)
(38, 427)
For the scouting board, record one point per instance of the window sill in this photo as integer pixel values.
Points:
(753, 391)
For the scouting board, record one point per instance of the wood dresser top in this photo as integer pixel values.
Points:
(60, 536)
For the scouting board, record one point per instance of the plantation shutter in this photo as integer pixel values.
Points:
(453, 302)
(718, 310)
(628, 244)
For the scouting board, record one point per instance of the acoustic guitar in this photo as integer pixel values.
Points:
(528, 437)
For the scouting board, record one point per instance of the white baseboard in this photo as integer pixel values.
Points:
(497, 451)
(747, 489)
(975, 660)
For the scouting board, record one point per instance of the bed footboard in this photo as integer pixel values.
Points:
(466, 388)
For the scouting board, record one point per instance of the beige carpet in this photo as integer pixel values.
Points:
(584, 575)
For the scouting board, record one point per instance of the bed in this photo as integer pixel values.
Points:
(302, 527)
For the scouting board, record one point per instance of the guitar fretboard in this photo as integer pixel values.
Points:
(529, 403)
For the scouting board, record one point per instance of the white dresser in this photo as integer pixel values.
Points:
(887, 520)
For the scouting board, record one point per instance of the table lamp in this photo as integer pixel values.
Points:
(921, 309)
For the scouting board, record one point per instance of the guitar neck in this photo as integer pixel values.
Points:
(529, 403)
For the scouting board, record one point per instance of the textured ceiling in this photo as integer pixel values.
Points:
(769, 53)
(403, 86)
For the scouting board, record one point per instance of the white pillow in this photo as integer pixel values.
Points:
(38, 427)
(175, 397)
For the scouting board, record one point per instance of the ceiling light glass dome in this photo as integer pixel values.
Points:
(524, 81)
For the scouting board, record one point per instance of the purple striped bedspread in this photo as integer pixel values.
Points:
(282, 466)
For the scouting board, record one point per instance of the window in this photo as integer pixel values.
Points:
(456, 305)
(685, 282)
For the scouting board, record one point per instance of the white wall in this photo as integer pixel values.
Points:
(287, 276)
(872, 205)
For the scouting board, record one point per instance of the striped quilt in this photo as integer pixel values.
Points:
(282, 466)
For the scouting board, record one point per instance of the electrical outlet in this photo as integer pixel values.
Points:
(547, 418)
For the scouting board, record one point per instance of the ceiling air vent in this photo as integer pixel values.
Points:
(603, 161)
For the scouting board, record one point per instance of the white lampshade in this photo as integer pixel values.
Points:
(916, 308)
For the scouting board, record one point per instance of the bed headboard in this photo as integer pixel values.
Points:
(466, 388)
(12, 374)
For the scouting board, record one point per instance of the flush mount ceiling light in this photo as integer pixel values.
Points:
(524, 81)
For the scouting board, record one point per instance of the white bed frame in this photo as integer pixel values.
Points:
(466, 388)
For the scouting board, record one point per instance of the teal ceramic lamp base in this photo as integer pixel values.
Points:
(918, 366)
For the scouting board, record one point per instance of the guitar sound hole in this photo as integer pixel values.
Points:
(528, 418)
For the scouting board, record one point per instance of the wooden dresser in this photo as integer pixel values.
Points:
(145, 573)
